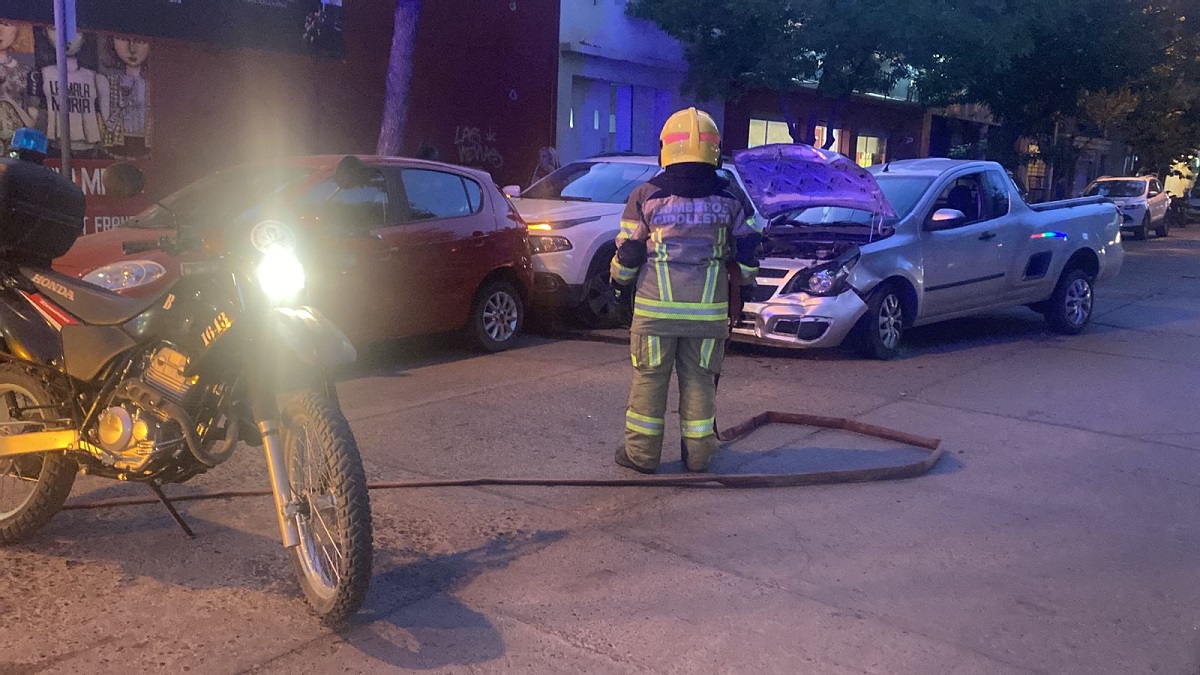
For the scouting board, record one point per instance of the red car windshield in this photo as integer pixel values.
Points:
(219, 198)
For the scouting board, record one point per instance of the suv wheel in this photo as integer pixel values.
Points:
(599, 309)
(1164, 228)
(1141, 231)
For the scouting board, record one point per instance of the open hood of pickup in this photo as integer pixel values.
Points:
(782, 179)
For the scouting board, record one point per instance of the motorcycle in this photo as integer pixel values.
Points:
(159, 390)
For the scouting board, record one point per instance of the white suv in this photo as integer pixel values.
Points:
(574, 215)
(1141, 199)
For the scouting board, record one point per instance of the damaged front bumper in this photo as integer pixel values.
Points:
(800, 320)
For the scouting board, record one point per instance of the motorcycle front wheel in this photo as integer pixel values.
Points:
(333, 515)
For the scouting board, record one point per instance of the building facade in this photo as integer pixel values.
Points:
(184, 94)
(619, 79)
(868, 128)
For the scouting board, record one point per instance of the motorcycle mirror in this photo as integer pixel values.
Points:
(351, 173)
(123, 180)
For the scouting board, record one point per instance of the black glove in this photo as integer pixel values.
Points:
(621, 293)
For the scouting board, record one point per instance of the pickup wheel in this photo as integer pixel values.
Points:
(1070, 307)
(881, 329)
(599, 309)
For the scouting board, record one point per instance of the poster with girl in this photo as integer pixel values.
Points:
(126, 130)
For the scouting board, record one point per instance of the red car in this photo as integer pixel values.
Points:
(413, 247)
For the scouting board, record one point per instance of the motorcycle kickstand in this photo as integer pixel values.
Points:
(162, 497)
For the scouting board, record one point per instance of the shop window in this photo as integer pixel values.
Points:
(767, 132)
(870, 150)
(839, 138)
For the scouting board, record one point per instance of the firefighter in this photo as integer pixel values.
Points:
(679, 231)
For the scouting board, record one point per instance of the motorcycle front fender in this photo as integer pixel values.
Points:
(314, 339)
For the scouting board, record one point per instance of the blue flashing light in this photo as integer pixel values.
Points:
(30, 140)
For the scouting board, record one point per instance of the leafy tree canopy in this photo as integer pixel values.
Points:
(1125, 65)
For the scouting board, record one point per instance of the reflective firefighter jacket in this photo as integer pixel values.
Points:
(680, 230)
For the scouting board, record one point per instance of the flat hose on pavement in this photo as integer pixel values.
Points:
(731, 434)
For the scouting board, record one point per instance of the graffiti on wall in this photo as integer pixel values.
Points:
(477, 147)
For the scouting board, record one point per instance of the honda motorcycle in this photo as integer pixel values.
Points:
(159, 390)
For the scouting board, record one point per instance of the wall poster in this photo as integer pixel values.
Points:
(108, 104)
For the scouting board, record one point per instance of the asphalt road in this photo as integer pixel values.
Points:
(1059, 535)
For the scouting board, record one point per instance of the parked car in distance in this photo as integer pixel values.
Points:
(1191, 205)
(574, 215)
(410, 247)
(958, 240)
(1141, 199)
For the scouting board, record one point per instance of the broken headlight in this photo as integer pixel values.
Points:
(829, 279)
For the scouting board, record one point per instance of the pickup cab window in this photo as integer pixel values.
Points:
(979, 196)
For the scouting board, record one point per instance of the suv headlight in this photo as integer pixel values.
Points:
(829, 279)
(126, 274)
(544, 244)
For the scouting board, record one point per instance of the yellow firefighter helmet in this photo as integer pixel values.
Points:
(690, 136)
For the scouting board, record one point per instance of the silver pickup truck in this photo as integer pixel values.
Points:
(866, 254)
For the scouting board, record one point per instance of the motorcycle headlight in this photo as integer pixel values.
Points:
(825, 280)
(126, 274)
(281, 275)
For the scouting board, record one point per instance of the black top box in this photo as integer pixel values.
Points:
(41, 212)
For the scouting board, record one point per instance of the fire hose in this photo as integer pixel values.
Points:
(735, 433)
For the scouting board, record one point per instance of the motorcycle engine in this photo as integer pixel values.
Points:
(132, 433)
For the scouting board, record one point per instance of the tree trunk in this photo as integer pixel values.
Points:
(834, 113)
(399, 78)
(793, 124)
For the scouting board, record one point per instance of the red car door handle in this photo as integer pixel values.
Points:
(478, 237)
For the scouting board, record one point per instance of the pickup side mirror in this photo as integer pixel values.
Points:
(945, 219)
(511, 190)
(123, 180)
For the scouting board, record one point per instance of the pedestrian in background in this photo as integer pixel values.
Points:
(547, 164)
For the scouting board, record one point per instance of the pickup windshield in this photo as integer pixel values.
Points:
(607, 182)
(838, 222)
(219, 197)
(1116, 188)
(902, 192)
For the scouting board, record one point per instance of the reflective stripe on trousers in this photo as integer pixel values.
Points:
(696, 362)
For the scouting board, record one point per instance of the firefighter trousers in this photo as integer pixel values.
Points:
(697, 361)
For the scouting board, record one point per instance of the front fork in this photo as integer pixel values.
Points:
(280, 488)
(266, 413)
